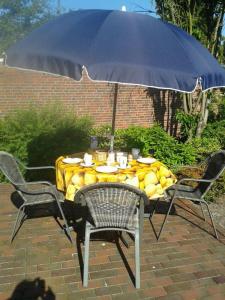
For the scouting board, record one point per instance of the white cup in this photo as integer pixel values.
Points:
(110, 158)
(123, 162)
(118, 156)
(135, 152)
(88, 159)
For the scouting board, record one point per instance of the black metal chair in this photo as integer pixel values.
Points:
(32, 193)
(215, 165)
(113, 207)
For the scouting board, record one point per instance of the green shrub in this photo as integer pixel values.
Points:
(151, 140)
(217, 107)
(103, 134)
(37, 136)
(204, 146)
(188, 124)
(216, 130)
(133, 137)
(167, 149)
(218, 190)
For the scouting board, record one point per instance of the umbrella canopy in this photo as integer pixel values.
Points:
(120, 47)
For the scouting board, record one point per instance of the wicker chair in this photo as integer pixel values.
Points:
(215, 165)
(113, 206)
(45, 192)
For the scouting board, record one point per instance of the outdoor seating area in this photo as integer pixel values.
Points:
(187, 262)
(107, 245)
(99, 199)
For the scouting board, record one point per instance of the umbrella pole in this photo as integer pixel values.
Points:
(114, 117)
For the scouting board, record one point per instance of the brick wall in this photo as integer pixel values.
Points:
(136, 105)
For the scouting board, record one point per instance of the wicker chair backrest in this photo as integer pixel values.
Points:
(215, 167)
(10, 168)
(113, 205)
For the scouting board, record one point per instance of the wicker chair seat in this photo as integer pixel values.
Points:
(183, 191)
(46, 195)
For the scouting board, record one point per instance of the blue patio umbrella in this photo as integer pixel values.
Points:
(118, 47)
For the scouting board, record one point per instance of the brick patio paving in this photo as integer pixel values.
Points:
(187, 263)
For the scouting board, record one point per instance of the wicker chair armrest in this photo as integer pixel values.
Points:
(195, 180)
(33, 192)
(185, 166)
(176, 186)
(40, 168)
(35, 168)
(32, 183)
(181, 167)
(39, 193)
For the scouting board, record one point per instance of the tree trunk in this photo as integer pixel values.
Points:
(185, 106)
(215, 35)
(203, 115)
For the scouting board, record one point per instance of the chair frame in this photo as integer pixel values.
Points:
(200, 200)
(137, 232)
(21, 215)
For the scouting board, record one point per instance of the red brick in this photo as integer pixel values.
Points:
(153, 292)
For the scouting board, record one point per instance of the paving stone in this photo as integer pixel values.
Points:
(61, 296)
(104, 274)
(219, 279)
(172, 297)
(82, 294)
(63, 272)
(72, 278)
(178, 287)
(160, 281)
(183, 277)
(108, 290)
(97, 283)
(152, 292)
(6, 287)
(127, 296)
(120, 279)
(13, 271)
(105, 297)
(12, 278)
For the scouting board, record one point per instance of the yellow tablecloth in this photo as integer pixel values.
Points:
(154, 178)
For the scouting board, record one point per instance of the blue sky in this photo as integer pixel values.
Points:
(131, 5)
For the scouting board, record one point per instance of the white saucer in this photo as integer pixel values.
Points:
(87, 166)
(146, 160)
(122, 168)
(72, 160)
(106, 169)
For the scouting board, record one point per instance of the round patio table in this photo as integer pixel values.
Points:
(153, 178)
